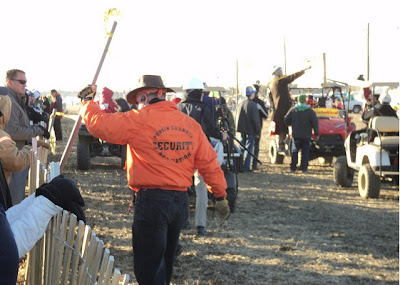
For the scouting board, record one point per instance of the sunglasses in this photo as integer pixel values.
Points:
(23, 82)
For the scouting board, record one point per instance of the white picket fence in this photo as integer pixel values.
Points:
(69, 252)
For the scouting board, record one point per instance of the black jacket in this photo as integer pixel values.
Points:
(302, 122)
(248, 118)
(262, 110)
(379, 110)
(199, 111)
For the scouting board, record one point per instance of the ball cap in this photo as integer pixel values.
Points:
(302, 98)
(250, 90)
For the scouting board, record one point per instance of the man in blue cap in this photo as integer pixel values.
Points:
(248, 125)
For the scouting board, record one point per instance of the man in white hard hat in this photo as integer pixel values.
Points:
(194, 107)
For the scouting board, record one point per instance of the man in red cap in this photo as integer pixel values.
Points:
(164, 146)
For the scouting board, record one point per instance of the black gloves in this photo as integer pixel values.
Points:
(46, 133)
(87, 93)
(64, 193)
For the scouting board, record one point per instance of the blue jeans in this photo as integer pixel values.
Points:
(248, 142)
(256, 151)
(302, 144)
(9, 261)
(158, 219)
(17, 185)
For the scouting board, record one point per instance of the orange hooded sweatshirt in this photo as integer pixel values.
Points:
(164, 146)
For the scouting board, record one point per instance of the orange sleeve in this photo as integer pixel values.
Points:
(115, 128)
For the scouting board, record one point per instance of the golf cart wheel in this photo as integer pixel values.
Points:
(83, 156)
(369, 184)
(342, 174)
(356, 109)
(275, 157)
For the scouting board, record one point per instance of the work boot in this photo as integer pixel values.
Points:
(201, 231)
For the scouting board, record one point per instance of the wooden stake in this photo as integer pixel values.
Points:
(75, 130)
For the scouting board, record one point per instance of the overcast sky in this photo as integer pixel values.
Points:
(59, 43)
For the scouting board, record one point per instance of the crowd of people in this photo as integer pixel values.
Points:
(23, 220)
(170, 148)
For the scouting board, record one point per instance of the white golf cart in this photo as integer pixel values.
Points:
(374, 153)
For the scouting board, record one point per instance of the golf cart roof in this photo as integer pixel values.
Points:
(209, 88)
(216, 88)
(177, 89)
(391, 85)
(334, 83)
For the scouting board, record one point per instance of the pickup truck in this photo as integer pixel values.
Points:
(354, 106)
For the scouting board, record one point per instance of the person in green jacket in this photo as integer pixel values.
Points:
(303, 120)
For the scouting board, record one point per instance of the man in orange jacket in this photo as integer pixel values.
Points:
(164, 146)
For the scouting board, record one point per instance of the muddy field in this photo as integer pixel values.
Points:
(287, 229)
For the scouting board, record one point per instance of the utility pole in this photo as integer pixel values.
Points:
(368, 53)
(324, 59)
(237, 84)
(284, 52)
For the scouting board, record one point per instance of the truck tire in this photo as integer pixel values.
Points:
(356, 109)
(369, 184)
(273, 153)
(83, 156)
(342, 174)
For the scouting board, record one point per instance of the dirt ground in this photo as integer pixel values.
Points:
(287, 229)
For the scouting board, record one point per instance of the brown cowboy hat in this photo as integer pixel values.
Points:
(146, 82)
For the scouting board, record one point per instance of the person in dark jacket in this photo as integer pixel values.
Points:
(382, 108)
(211, 102)
(263, 112)
(198, 110)
(303, 120)
(35, 114)
(248, 125)
(56, 103)
(281, 100)
(225, 113)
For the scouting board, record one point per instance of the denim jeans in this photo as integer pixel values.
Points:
(17, 185)
(302, 144)
(256, 151)
(248, 142)
(158, 219)
(200, 213)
